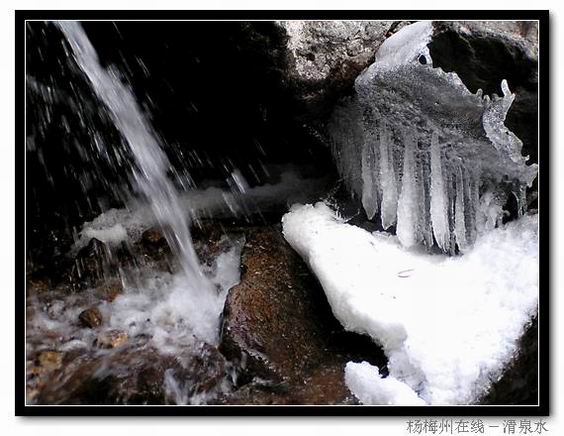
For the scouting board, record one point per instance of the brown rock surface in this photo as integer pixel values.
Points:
(134, 374)
(50, 360)
(111, 339)
(280, 330)
(90, 318)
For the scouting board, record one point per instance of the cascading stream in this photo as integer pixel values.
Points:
(152, 165)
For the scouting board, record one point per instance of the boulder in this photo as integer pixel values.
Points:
(323, 58)
(280, 333)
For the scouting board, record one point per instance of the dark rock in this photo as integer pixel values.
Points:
(110, 290)
(324, 386)
(92, 264)
(111, 339)
(323, 58)
(90, 318)
(278, 327)
(37, 285)
(153, 240)
(134, 374)
(50, 360)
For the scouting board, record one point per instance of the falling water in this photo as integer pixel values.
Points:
(151, 162)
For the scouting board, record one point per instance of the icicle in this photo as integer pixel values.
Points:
(369, 177)
(520, 194)
(424, 185)
(493, 121)
(473, 186)
(459, 219)
(388, 180)
(439, 201)
(477, 150)
(408, 204)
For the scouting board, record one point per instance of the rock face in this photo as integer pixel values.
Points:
(324, 57)
(279, 330)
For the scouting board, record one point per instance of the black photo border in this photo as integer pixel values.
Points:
(21, 409)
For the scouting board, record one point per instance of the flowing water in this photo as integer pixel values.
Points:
(150, 174)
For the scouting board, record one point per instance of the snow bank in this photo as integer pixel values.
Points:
(448, 325)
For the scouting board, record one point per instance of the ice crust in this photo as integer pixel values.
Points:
(440, 147)
(448, 325)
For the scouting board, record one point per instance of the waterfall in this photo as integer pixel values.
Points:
(151, 166)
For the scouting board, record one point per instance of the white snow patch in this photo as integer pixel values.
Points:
(370, 388)
(448, 325)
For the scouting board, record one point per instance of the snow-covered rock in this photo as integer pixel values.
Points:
(448, 325)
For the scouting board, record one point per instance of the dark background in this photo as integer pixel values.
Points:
(214, 92)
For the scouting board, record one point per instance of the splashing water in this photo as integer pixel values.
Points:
(150, 177)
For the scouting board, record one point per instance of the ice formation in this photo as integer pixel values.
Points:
(420, 150)
(448, 325)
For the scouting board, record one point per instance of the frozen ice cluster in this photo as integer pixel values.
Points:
(424, 153)
(448, 324)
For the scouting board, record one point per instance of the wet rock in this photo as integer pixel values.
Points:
(324, 57)
(37, 285)
(154, 243)
(111, 290)
(90, 318)
(135, 374)
(111, 339)
(279, 330)
(92, 264)
(50, 360)
(324, 386)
